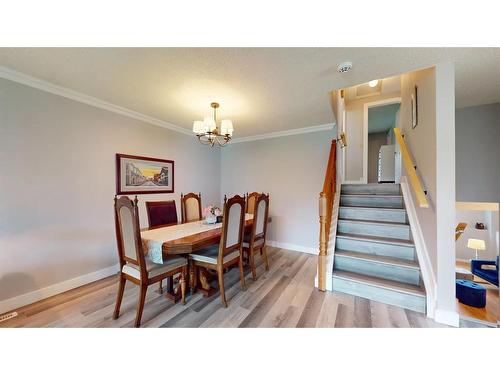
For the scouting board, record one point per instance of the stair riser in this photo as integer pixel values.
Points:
(376, 248)
(376, 269)
(381, 201)
(372, 214)
(388, 231)
(391, 297)
(382, 189)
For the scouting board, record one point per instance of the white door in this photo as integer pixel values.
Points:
(386, 163)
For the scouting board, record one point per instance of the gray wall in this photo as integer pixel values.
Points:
(478, 153)
(292, 170)
(57, 158)
(489, 235)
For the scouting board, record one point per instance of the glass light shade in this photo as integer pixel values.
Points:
(198, 127)
(476, 244)
(209, 124)
(226, 127)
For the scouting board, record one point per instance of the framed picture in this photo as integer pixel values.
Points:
(142, 175)
(414, 108)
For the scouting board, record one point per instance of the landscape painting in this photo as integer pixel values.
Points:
(143, 175)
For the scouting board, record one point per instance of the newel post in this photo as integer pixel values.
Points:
(322, 241)
(322, 222)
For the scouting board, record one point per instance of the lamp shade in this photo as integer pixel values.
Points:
(209, 124)
(475, 244)
(198, 127)
(226, 127)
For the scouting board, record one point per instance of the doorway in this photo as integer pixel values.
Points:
(382, 159)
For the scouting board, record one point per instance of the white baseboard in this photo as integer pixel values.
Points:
(450, 318)
(37, 295)
(291, 246)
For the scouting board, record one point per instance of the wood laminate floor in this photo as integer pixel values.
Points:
(282, 297)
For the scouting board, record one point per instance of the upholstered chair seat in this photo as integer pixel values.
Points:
(209, 255)
(246, 241)
(154, 269)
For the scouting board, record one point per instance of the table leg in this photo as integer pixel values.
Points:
(192, 277)
(171, 294)
(205, 287)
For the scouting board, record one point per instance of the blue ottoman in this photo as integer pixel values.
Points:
(470, 293)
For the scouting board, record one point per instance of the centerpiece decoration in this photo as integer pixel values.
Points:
(211, 213)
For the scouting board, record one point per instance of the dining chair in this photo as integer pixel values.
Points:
(161, 214)
(256, 239)
(190, 207)
(250, 206)
(134, 265)
(228, 252)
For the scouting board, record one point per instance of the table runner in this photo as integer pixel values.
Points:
(154, 239)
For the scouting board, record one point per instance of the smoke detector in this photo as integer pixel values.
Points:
(344, 67)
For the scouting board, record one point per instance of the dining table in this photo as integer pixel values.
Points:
(182, 239)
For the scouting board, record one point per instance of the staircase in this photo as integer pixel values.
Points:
(375, 255)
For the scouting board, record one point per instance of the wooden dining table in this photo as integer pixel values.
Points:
(196, 242)
(189, 244)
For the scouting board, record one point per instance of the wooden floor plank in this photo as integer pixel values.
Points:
(310, 314)
(345, 317)
(380, 315)
(284, 296)
(362, 313)
(257, 314)
(328, 312)
(294, 295)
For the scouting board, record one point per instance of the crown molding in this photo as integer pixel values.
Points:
(40, 84)
(27, 80)
(284, 133)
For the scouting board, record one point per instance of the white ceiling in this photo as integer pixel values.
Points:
(261, 89)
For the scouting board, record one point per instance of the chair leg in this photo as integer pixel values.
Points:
(220, 275)
(183, 284)
(252, 264)
(266, 259)
(119, 297)
(140, 304)
(160, 289)
(242, 273)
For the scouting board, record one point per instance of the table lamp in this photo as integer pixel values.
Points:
(475, 244)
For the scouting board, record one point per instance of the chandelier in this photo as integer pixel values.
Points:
(209, 134)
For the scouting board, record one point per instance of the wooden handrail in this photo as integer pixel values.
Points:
(410, 170)
(326, 199)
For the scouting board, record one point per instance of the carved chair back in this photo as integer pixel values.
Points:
(190, 207)
(250, 207)
(233, 224)
(128, 234)
(260, 218)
